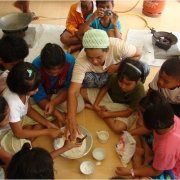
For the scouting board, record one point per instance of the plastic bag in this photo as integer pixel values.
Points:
(125, 148)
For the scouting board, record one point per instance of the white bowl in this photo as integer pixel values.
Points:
(58, 143)
(87, 167)
(99, 154)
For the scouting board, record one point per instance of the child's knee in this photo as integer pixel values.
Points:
(139, 151)
(64, 39)
(118, 126)
(111, 33)
(81, 104)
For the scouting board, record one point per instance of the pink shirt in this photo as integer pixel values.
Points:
(167, 150)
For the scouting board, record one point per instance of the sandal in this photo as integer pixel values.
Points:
(34, 17)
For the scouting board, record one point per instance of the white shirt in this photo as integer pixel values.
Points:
(173, 96)
(17, 108)
(118, 49)
(5, 128)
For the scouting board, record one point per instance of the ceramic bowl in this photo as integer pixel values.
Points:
(99, 154)
(87, 167)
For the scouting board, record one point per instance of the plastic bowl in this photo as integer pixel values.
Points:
(99, 154)
(87, 167)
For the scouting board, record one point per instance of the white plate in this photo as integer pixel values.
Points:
(87, 167)
(58, 143)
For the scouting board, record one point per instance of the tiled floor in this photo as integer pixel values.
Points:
(169, 21)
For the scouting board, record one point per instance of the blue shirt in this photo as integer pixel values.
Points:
(41, 94)
(96, 24)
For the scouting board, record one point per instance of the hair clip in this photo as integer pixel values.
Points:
(29, 72)
(30, 148)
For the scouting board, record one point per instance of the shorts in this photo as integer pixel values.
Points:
(95, 80)
(26, 120)
(63, 106)
(10, 143)
(167, 174)
(112, 107)
(63, 32)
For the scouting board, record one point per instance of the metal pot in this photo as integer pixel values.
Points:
(15, 22)
(163, 40)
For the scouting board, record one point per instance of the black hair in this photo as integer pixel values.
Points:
(172, 67)
(131, 73)
(31, 163)
(100, 1)
(156, 110)
(3, 108)
(52, 55)
(23, 77)
(13, 48)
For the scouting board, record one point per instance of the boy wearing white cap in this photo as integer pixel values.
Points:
(100, 57)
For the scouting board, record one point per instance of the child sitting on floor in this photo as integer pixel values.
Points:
(56, 68)
(13, 50)
(76, 17)
(167, 82)
(117, 101)
(35, 163)
(5, 157)
(159, 118)
(108, 22)
(23, 81)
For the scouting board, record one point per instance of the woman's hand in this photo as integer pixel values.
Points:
(112, 68)
(71, 130)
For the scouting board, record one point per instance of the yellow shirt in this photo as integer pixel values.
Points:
(75, 17)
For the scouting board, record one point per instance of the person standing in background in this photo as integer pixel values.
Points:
(24, 7)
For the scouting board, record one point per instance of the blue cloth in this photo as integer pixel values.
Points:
(96, 24)
(40, 95)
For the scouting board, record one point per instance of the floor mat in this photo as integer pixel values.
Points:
(44, 33)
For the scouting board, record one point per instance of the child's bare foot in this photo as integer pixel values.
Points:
(34, 17)
(89, 106)
(18, 4)
(74, 48)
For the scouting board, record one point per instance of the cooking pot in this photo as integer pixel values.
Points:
(163, 39)
(15, 22)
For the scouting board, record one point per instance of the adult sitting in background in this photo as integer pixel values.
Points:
(100, 57)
